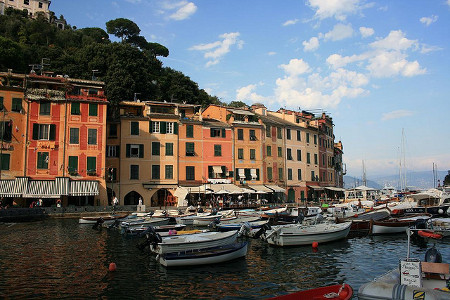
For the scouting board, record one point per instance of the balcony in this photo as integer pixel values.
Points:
(45, 94)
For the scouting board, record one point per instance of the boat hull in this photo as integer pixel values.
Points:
(106, 219)
(327, 292)
(204, 256)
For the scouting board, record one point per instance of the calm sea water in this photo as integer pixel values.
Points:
(62, 259)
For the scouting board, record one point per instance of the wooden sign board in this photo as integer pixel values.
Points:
(411, 273)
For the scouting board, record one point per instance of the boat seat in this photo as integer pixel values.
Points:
(434, 270)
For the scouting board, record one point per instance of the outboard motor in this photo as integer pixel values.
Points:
(214, 223)
(245, 228)
(421, 224)
(300, 218)
(433, 255)
(98, 224)
(319, 218)
(200, 210)
(115, 224)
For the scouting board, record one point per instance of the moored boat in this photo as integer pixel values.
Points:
(203, 256)
(395, 225)
(106, 219)
(237, 226)
(337, 291)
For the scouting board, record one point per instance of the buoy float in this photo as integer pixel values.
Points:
(429, 234)
(315, 244)
(112, 267)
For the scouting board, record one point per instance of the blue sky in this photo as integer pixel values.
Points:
(376, 67)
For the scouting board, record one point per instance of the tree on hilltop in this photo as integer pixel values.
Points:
(123, 28)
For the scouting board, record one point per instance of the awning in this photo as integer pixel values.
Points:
(7, 188)
(217, 169)
(241, 112)
(316, 187)
(261, 189)
(83, 188)
(253, 173)
(276, 188)
(230, 188)
(241, 173)
(336, 189)
(181, 193)
(247, 191)
(41, 189)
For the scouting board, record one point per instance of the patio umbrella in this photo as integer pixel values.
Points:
(220, 192)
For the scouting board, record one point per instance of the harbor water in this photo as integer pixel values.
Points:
(63, 259)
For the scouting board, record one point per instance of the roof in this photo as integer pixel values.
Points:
(215, 123)
(241, 111)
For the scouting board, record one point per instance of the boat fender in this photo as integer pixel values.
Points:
(433, 255)
(429, 234)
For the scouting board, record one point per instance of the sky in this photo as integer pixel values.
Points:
(380, 69)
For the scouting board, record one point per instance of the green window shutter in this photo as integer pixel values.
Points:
(211, 132)
(75, 108)
(169, 149)
(52, 132)
(16, 104)
(257, 174)
(224, 134)
(141, 151)
(93, 109)
(42, 161)
(248, 175)
(269, 173)
(175, 128)
(91, 164)
(35, 131)
(190, 131)
(134, 128)
(156, 148)
(163, 127)
(128, 154)
(150, 126)
(1, 103)
(73, 164)
(5, 161)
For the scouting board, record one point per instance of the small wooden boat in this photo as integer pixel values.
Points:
(237, 226)
(148, 221)
(396, 225)
(205, 220)
(205, 256)
(106, 219)
(337, 291)
(134, 231)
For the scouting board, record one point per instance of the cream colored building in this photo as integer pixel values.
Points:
(33, 7)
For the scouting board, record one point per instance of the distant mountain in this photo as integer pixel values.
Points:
(420, 180)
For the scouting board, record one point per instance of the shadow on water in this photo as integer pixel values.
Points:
(62, 259)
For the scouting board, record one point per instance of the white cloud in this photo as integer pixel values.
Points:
(339, 32)
(215, 51)
(448, 2)
(247, 93)
(296, 67)
(337, 61)
(428, 20)
(178, 10)
(134, 1)
(426, 49)
(396, 40)
(396, 114)
(366, 32)
(338, 9)
(311, 45)
(271, 53)
(392, 63)
(290, 22)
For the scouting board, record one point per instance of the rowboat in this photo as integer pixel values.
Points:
(205, 256)
(338, 291)
(106, 219)
(299, 234)
(145, 222)
(237, 226)
(396, 225)
(178, 243)
(205, 220)
(135, 231)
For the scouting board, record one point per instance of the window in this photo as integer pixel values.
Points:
(268, 131)
(289, 154)
(134, 172)
(169, 149)
(155, 127)
(92, 136)
(190, 131)
(315, 158)
(308, 158)
(169, 172)
(315, 139)
(16, 104)
(169, 127)
(252, 135)
(134, 126)
(299, 135)
(112, 174)
(42, 160)
(190, 173)
(217, 150)
(44, 108)
(215, 132)
(241, 134)
(156, 146)
(307, 137)
(91, 165)
(269, 173)
(190, 149)
(252, 154)
(6, 131)
(93, 92)
(313, 176)
(5, 158)
(155, 172)
(75, 108)
(240, 153)
(93, 109)
(73, 165)
(299, 174)
(40, 5)
(269, 151)
(135, 150)
(74, 135)
(112, 130)
(1, 103)
(323, 159)
(26, 2)
(289, 174)
(279, 135)
(44, 132)
(112, 151)
(280, 152)
(299, 155)
(324, 176)
(288, 134)
(280, 173)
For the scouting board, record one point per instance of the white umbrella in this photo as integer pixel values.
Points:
(222, 192)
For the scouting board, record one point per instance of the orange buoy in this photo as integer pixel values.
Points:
(315, 244)
(429, 234)
(112, 267)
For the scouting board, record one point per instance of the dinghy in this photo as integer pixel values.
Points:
(338, 291)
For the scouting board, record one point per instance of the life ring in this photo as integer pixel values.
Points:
(429, 234)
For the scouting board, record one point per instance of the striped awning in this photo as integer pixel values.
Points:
(41, 189)
(84, 188)
(276, 188)
(260, 188)
(7, 188)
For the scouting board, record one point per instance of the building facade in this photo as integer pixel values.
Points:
(33, 7)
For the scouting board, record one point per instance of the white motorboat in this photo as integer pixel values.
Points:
(205, 220)
(188, 219)
(413, 279)
(145, 222)
(206, 256)
(179, 243)
(299, 234)
(107, 219)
